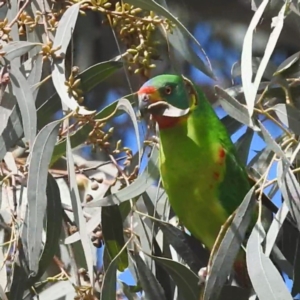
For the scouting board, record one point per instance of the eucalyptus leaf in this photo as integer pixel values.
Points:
(78, 214)
(26, 103)
(185, 279)
(97, 73)
(229, 247)
(266, 280)
(149, 283)
(113, 235)
(289, 116)
(246, 58)
(18, 48)
(36, 191)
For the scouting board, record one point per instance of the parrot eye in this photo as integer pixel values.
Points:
(168, 90)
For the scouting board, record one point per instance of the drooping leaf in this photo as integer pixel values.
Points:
(78, 213)
(266, 280)
(113, 235)
(39, 160)
(268, 74)
(231, 124)
(289, 116)
(185, 279)
(189, 249)
(271, 142)
(35, 75)
(90, 77)
(11, 129)
(18, 48)
(275, 228)
(149, 283)
(53, 227)
(243, 145)
(289, 62)
(234, 108)
(246, 58)
(162, 274)
(290, 190)
(26, 103)
(62, 38)
(229, 247)
(81, 134)
(97, 73)
(108, 290)
(124, 104)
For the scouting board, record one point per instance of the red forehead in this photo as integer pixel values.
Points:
(147, 90)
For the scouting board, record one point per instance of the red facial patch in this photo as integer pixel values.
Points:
(147, 90)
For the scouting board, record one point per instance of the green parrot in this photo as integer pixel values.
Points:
(200, 170)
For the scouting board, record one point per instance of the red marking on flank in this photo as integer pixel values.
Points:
(216, 175)
(221, 153)
(147, 90)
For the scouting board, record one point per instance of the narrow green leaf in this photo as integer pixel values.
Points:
(36, 191)
(65, 28)
(113, 234)
(290, 189)
(149, 283)
(128, 291)
(289, 116)
(126, 106)
(234, 108)
(76, 139)
(289, 62)
(246, 58)
(35, 75)
(62, 39)
(278, 25)
(97, 73)
(266, 280)
(53, 227)
(185, 279)
(108, 290)
(78, 213)
(243, 145)
(272, 143)
(18, 48)
(275, 227)
(26, 103)
(11, 128)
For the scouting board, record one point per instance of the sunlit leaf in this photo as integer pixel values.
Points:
(36, 191)
(266, 280)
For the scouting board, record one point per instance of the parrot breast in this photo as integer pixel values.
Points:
(191, 173)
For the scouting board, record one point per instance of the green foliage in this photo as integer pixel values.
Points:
(57, 208)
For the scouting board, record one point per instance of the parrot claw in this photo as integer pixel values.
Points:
(203, 275)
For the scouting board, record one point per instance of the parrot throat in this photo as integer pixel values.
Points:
(168, 122)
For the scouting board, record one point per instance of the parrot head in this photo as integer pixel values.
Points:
(166, 92)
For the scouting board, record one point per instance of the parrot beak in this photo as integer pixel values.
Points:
(150, 102)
